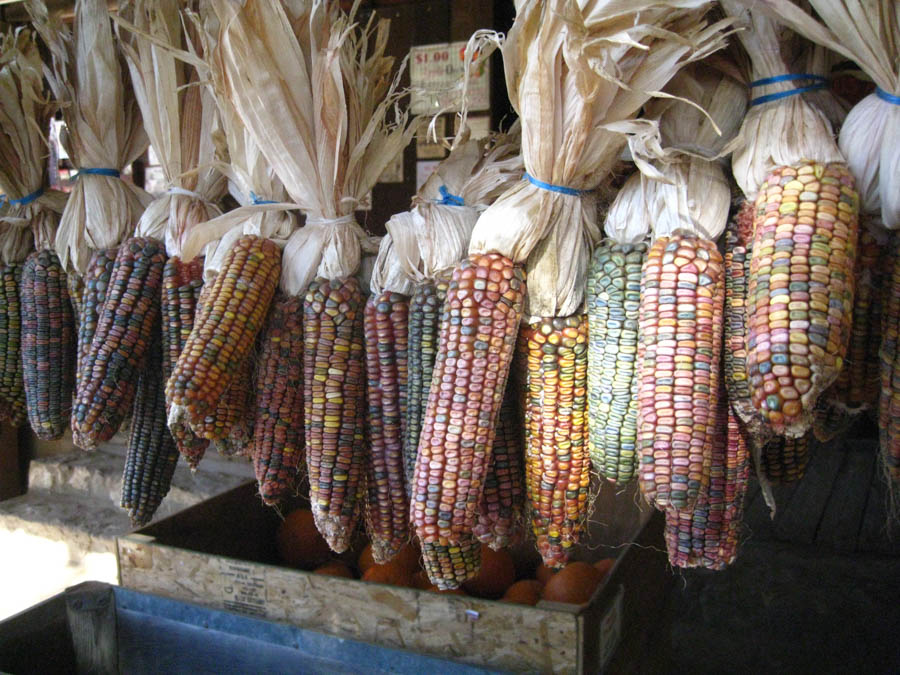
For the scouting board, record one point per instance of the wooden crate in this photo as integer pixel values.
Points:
(221, 554)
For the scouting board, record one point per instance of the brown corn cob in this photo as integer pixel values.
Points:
(425, 307)
(182, 289)
(96, 285)
(784, 460)
(889, 401)
(334, 400)
(152, 454)
(502, 501)
(48, 344)
(477, 338)
(278, 440)
(120, 343)
(387, 503)
(219, 422)
(800, 294)
(682, 299)
(226, 326)
(12, 387)
(557, 462)
(449, 566)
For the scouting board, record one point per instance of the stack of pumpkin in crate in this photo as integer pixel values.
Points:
(508, 352)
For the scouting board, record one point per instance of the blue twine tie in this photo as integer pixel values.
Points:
(786, 78)
(884, 96)
(784, 94)
(27, 199)
(112, 173)
(562, 189)
(450, 199)
(256, 201)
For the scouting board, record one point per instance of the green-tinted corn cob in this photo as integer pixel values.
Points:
(334, 398)
(48, 344)
(613, 299)
(425, 307)
(96, 285)
(557, 462)
(449, 566)
(800, 294)
(682, 303)
(226, 326)
(120, 343)
(152, 454)
(502, 501)
(477, 339)
(387, 503)
(182, 288)
(12, 388)
(784, 460)
(889, 401)
(278, 431)
(707, 535)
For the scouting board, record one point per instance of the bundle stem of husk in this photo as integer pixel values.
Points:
(868, 33)
(103, 130)
(179, 116)
(578, 73)
(25, 113)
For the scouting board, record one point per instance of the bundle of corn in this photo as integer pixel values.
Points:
(612, 298)
(333, 76)
(552, 75)
(707, 535)
(800, 290)
(433, 236)
(47, 323)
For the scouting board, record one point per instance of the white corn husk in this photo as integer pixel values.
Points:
(25, 114)
(817, 60)
(315, 91)
(781, 132)
(578, 73)
(387, 272)
(628, 221)
(179, 116)
(103, 130)
(866, 32)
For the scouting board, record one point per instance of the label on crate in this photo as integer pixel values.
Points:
(243, 588)
(611, 628)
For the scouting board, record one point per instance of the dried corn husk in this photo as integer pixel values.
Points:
(179, 116)
(25, 114)
(315, 91)
(577, 74)
(816, 60)
(103, 130)
(628, 221)
(868, 33)
(781, 132)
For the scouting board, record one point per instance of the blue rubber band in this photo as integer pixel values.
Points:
(450, 199)
(112, 173)
(786, 78)
(27, 199)
(562, 189)
(884, 96)
(256, 201)
(784, 94)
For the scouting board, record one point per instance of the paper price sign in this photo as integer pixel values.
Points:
(436, 75)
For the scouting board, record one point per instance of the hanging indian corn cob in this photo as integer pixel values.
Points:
(800, 289)
(12, 388)
(889, 400)
(96, 285)
(784, 460)
(152, 454)
(449, 566)
(238, 407)
(329, 154)
(554, 210)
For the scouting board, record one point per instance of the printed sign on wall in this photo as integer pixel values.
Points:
(436, 75)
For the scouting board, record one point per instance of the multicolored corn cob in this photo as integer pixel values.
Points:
(800, 294)
(682, 303)
(707, 535)
(12, 387)
(218, 423)
(500, 513)
(182, 288)
(449, 566)
(425, 308)
(152, 454)
(784, 460)
(557, 463)
(120, 343)
(387, 503)
(889, 401)
(96, 285)
(226, 326)
(477, 339)
(278, 441)
(48, 344)
(613, 300)
(334, 399)
(76, 288)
